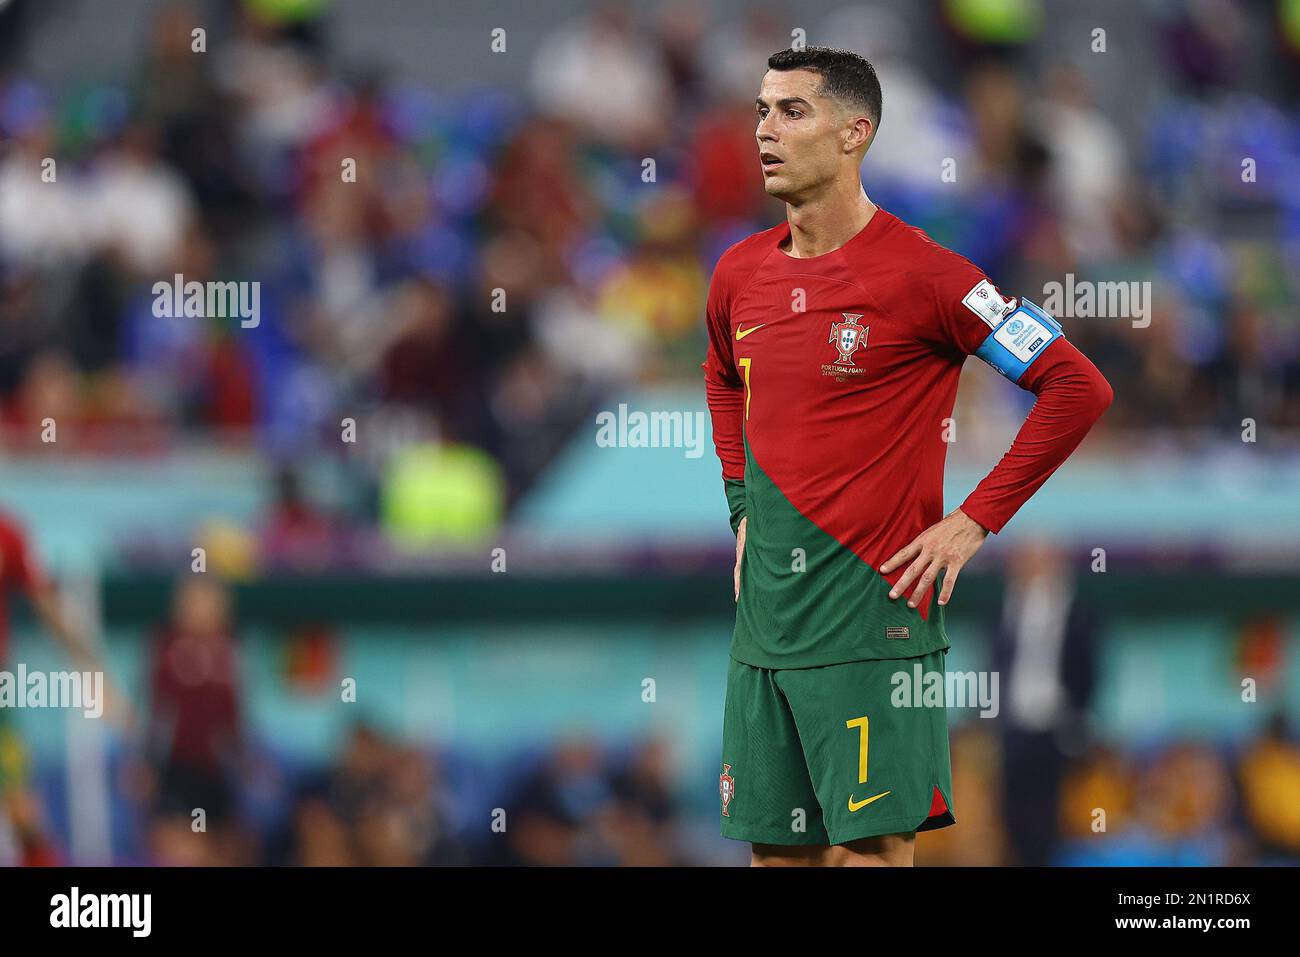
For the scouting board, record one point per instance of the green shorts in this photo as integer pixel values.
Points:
(829, 755)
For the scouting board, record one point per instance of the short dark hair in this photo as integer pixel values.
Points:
(846, 76)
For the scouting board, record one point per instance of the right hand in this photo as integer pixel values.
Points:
(740, 553)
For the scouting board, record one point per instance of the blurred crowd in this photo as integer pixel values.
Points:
(203, 782)
(1181, 802)
(1036, 786)
(380, 800)
(501, 259)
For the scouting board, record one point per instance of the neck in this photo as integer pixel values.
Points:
(825, 223)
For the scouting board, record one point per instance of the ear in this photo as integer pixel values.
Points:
(859, 134)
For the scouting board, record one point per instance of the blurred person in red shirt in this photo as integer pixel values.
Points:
(725, 185)
(49, 391)
(426, 362)
(194, 725)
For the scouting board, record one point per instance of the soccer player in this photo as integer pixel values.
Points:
(19, 571)
(836, 340)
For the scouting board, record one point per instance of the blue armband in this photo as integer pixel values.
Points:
(1019, 339)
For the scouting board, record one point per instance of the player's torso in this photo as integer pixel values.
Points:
(839, 378)
(848, 378)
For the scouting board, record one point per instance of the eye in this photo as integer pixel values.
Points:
(793, 114)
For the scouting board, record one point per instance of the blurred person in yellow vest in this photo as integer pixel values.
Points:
(441, 493)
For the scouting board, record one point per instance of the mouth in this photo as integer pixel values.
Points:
(771, 162)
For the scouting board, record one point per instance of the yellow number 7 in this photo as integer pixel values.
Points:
(744, 364)
(862, 746)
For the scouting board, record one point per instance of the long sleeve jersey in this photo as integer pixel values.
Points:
(831, 382)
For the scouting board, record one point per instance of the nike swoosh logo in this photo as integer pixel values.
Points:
(741, 333)
(859, 805)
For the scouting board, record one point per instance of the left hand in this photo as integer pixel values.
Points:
(948, 544)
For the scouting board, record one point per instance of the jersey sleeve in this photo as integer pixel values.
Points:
(725, 391)
(1026, 345)
(966, 305)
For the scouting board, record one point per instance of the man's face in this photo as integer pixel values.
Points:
(799, 134)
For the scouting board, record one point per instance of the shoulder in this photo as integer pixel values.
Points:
(746, 255)
(923, 261)
(950, 297)
(751, 250)
(740, 261)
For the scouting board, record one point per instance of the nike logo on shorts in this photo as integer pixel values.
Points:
(859, 805)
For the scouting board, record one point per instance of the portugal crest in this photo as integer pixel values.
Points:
(726, 788)
(847, 337)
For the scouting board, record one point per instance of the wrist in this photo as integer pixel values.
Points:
(982, 530)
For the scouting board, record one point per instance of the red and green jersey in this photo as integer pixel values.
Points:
(831, 382)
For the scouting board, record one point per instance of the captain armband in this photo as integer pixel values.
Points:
(1019, 339)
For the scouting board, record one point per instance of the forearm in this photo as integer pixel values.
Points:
(1071, 396)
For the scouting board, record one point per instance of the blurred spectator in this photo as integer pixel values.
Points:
(1044, 652)
(602, 73)
(645, 830)
(441, 494)
(1172, 811)
(1100, 780)
(562, 813)
(140, 205)
(382, 804)
(424, 364)
(195, 735)
(1088, 164)
(1269, 777)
